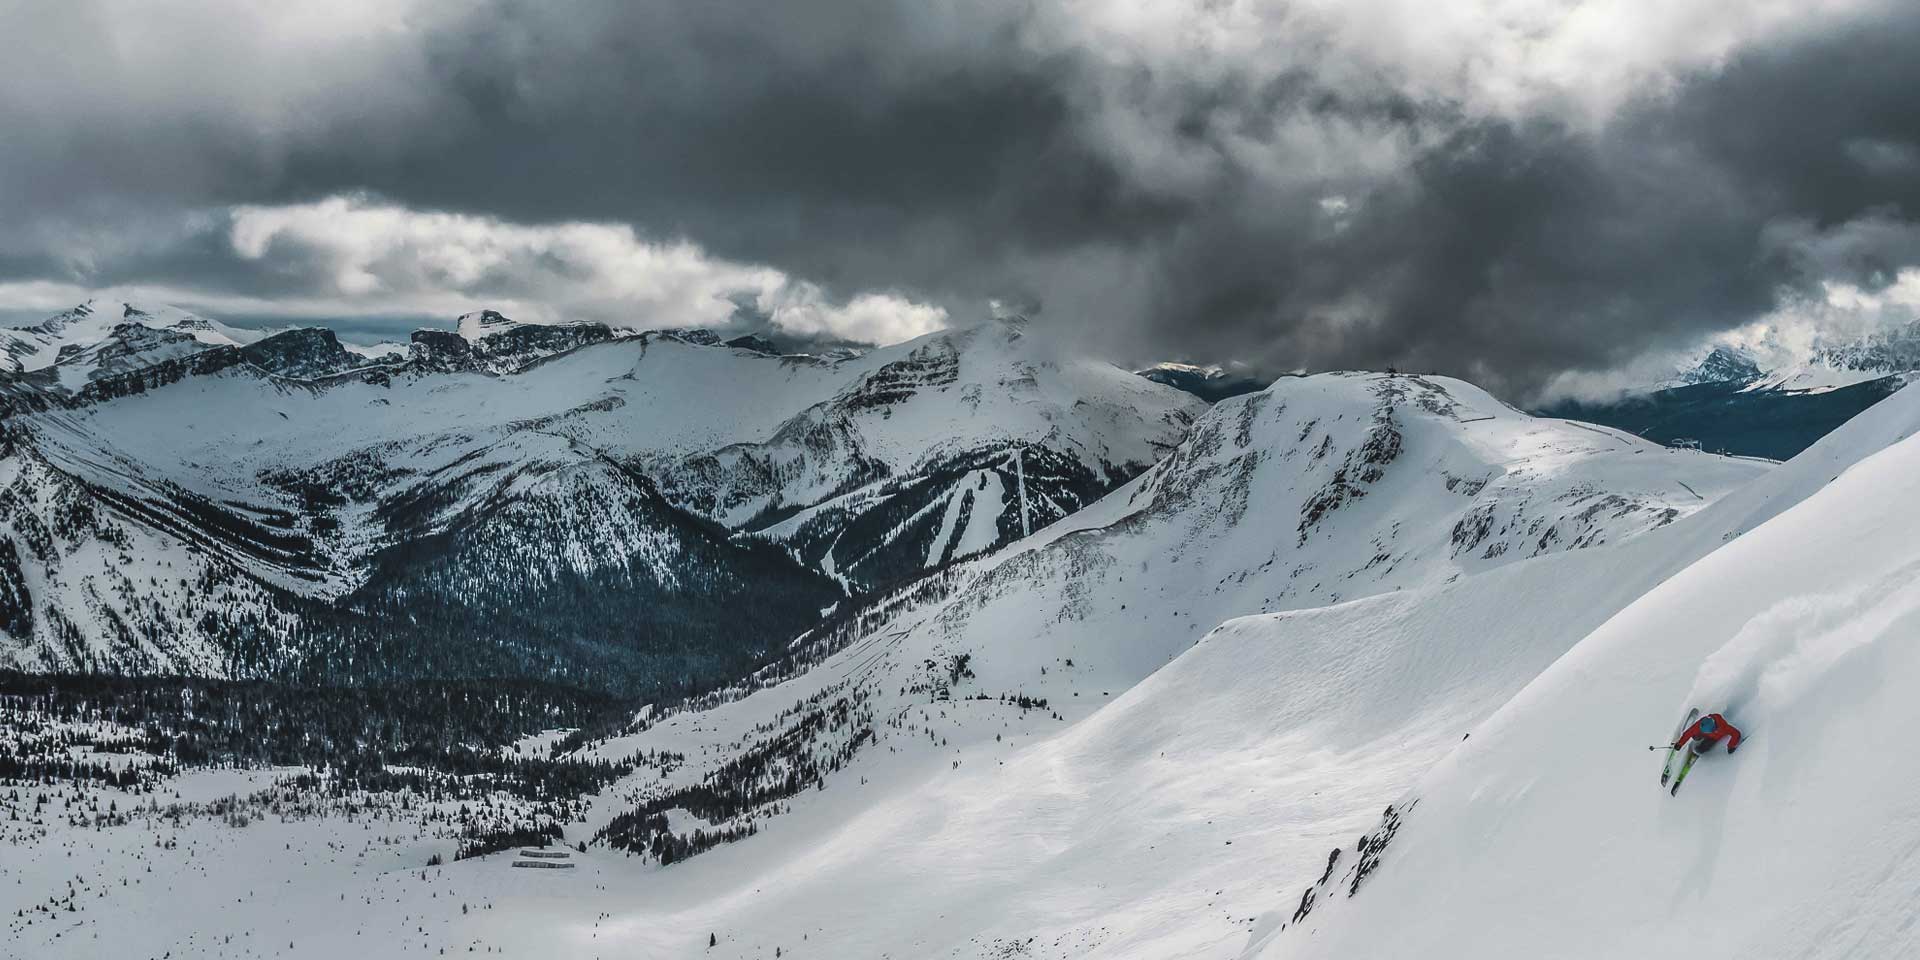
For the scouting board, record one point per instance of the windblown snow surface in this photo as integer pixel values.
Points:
(1246, 654)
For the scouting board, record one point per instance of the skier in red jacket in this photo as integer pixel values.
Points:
(1707, 731)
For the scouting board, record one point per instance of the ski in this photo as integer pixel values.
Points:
(1666, 769)
(1691, 757)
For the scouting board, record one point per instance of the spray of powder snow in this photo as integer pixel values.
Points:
(1786, 651)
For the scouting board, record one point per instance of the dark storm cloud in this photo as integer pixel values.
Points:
(856, 142)
(1202, 209)
(1513, 250)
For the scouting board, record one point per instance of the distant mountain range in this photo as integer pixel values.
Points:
(1211, 383)
(623, 511)
(1743, 401)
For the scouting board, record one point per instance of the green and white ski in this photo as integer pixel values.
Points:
(1682, 775)
(1666, 770)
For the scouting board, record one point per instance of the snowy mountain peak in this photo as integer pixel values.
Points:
(697, 336)
(41, 345)
(1721, 364)
(480, 324)
(1894, 350)
(113, 333)
(755, 343)
(1190, 369)
(302, 353)
(848, 475)
(60, 321)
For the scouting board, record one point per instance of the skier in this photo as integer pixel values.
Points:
(1706, 732)
(1698, 738)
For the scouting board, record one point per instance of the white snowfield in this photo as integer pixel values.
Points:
(1246, 654)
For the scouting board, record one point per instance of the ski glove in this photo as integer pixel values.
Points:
(1731, 747)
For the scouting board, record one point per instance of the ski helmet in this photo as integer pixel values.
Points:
(1707, 724)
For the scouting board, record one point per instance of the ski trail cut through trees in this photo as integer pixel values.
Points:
(1020, 476)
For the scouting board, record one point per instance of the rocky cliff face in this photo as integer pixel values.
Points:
(302, 354)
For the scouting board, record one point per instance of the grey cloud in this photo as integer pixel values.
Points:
(940, 149)
(1512, 250)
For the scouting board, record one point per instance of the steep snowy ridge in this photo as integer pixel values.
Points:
(103, 340)
(1720, 364)
(1548, 831)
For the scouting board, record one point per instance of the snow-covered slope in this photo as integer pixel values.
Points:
(1548, 833)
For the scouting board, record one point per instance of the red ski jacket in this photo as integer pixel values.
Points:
(1722, 730)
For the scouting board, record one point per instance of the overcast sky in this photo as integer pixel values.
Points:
(1515, 191)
